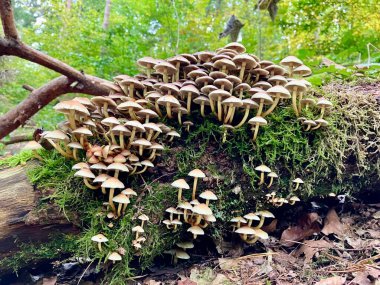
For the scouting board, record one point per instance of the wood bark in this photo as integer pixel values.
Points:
(22, 218)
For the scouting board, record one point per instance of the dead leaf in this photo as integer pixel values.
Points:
(49, 280)
(228, 263)
(271, 227)
(187, 281)
(311, 247)
(361, 279)
(335, 280)
(333, 224)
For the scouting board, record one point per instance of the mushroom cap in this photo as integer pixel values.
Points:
(169, 88)
(100, 101)
(135, 124)
(307, 101)
(185, 245)
(227, 63)
(85, 173)
(208, 195)
(322, 122)
(147, 163)
(156, 146)
(277, 78)
(168, 99)
(196, 230)
(202, 100)
(152, 127)
(250, 104)
(238, 219)
(322, 102)
(147, 113)
(217, 74)
(118, 166)
(129, 105)
(185, 205)
(202, 80)
(167, 222)
(265, 213)
(75, 145)
(173, 134)
(56, 135)
(138, 229)
(176, 222)
(255, 90)
(273, 174)
(32, 145)
(235, 46)
(219, 93)
(267, 100)
(245, 58)
(232, 101)
(202, 209)
(263, 85)
(223, 82)
(147, 62)
(112, 182)
(205, 56)
(194, 202)
(242, 86)
(185, 90)
(245, 231)
(80, 165)
(178, 59)
(110, 121)
(258, 120)
(261, 234)
(165, 67)
(252, 216)
(133, 82)
(121, 198)
(196, 173)
(82, 131)
(309, 122)
(141, 142)
(294, 198)
(128, 192)
(99, 238)
(263, 168)
(114, 256)
(291, 61)
(302, 70)
(171, 210)
(66, 106)
(209, 218)
(143, 217)
(298, 180)
(275, 69)
(279, 91)
(296, 85)
(181, 254)
(180, 183)
(101, 178)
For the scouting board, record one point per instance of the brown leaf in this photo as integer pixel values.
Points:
(297, 233)
(333, 224)
(361, 279)
(271, 227)
(228, 263)
(186, 281)
(311, 247)
(335, 280)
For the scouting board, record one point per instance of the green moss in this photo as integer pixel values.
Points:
(17, 159)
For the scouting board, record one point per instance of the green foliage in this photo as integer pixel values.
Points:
(14, 160)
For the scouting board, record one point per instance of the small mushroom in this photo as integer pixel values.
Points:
(256, 122)
(272, 175)
(263, 214)
(196, 173)
(34, 147)
(244, 232)
(196, 231)
(99, 238)
(180, 184)
(298, 181)
(323, 104)
(262, 169)
(293, 200)
(138, 230)
(180, 254)
(143, 218)
(208, 195)
(112, 183)
(114, 256)
(86, 174)
(122, 200)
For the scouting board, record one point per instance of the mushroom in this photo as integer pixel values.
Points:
(291, 62)
(71, 108)
(320, 123)
(295, 87)
(57, 135)
(245, 62)
(196, 173)
(83, 132)
(244, 232)
(138, 230)
(169, 101)
(263, 214)
(129, 85)
(166, 69)
(186, 206)
(172, 134)
(224, 65)
(86, 174)
(178, 61)
(180, 184)
(262, 98)
(208, 195)
(256, 122)
(112, 183)
(293, 200)
(136, 127)
(271, 175)
(251, 217)
(75, 146)
(148, 63)
(298, 181)
(103, 103)
(258, 234)
(232, 103)
(117, 167)
(114, 256)
(143, 218)
(187, 125)
(263, 169)
(154, 147)
(100, 179)
(278, 92)
(306, 102)
(145, 163)
(171, 211)
(180, 254)
(196, 231)
(225, 129)
(323, 104)
(123, 200)
(238, 221)
(200, 211)
(218, 95)
(203, 101)
(141, 143)
(248, 104)
(34, 147)
(99, 238)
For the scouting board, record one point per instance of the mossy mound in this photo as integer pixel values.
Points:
(343, 158)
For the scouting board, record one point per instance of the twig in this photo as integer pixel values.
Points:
(80, 278)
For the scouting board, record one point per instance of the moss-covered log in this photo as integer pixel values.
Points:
(22, 219)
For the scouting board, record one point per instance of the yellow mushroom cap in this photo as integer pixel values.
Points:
(298, 180)
(261, 234)
(252, 216)
(265, 214)
(185, 245)
(263, 168)
(208, 195)
(114, 256)
(197, 173)
(99, 238)
(196, 230)
(180, 183)
(238, 219)
(245, 231)
(202, 209)
(32, 145)
(181, 254)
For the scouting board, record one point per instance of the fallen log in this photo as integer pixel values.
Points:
(22, 218)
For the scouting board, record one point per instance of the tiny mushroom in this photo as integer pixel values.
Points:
(298, 181)
(196, 173)
(99, 239)
(34, 147)
(180, 184)
(272, 175)
(262, 169)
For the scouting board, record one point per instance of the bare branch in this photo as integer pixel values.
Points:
(8, 20)
(42, 96)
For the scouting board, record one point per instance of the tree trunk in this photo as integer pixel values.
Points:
(106, 19)
(22, 218)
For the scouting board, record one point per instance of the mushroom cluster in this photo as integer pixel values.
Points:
(139, 230)
(279, 201)
(248, 232)
(197, 215)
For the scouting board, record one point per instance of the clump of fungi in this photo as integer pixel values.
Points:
(122, 133)
(249, 226)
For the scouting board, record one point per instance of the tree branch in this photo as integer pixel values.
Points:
(42, 96)
(7, 20)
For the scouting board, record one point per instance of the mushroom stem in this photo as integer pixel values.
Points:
(88, 184)
(132, 114)
(270, 182)
(189, 102)
(110, 197)
(242, 69)
(244, 119)
(100, 246)
(158, 109)
(169, 110)
(229, 114)
(203, 110)
(104, 190)
(255, 132)
(297, 185)
(105, 110)
(74, 154)
(316, 127)
(179, 118)
(121, 140)
(294, 101)
(152, 155)
(130, 89)
(142, 170)
(131, 137)
(36, 155)
(299, 102)
(212, 106)
(224, 138)
(59, 149)
(194, 187)
(116, 174)
(72, 120)
(322, 112)
(165, 76)
(119, 207)
(262, 218)
(220, 111)
(261, 178)
(261, 106)
(272, 107)
(251, 241)
(179, 194)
